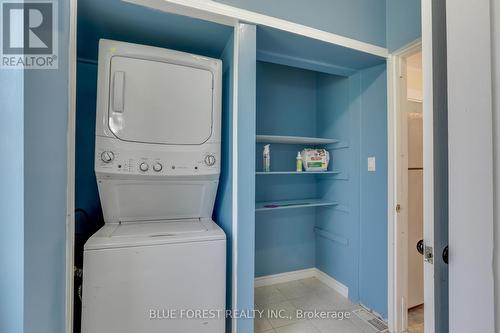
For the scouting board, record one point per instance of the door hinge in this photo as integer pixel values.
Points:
(428, 254)
(398, 208)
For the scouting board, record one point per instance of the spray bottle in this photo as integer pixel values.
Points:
(267, 158)
(299, 162)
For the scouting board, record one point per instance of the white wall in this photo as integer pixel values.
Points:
(414, 75)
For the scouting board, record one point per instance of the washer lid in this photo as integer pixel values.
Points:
(158, 228)
(159, 102)
(121, 235)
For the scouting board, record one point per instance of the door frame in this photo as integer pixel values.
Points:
(397, 277)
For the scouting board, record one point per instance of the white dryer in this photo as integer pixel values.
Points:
(158, 264)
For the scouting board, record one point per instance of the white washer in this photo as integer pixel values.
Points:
(158, 264)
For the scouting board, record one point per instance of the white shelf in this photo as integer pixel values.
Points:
(293, 140)
(289, 204)
(334, 172)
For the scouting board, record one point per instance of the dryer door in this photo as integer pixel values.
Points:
(159, 102)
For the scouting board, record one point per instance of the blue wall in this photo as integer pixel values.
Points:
(339, 106)
(45, 159)
(356, 110)
(286, 105)
(373, 203)
(403, 23)
(11, 201)
(359, 19)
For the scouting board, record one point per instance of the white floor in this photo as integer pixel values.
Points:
(307, 294)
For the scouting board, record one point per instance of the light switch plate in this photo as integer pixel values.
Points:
(371, 164)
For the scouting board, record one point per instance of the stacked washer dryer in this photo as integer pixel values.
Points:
(159, 257)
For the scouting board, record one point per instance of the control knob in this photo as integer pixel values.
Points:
(143, 166)
(210, 160)
(157, 167)
(107, 156)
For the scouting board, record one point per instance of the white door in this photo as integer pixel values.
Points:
(471, 41)
(435, 161)
(160, 102)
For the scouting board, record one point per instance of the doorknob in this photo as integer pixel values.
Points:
(445, 254)
(420, 246)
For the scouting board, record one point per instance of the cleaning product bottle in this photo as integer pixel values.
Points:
(267, 158)
(299, 162)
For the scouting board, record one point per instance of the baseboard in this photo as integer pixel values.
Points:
(332, 283)
(284, 277)
(269, 280)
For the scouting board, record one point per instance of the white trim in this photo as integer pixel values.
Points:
(391, 192)
(269, 280)
(234, 283)
(228, 15)
(428, 160)
(332, 283)
(397, 271)
(70, 186)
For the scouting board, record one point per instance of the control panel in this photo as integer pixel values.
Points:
(113, 159)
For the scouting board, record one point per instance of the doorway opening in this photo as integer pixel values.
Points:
(407, 245)
(412, 108)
